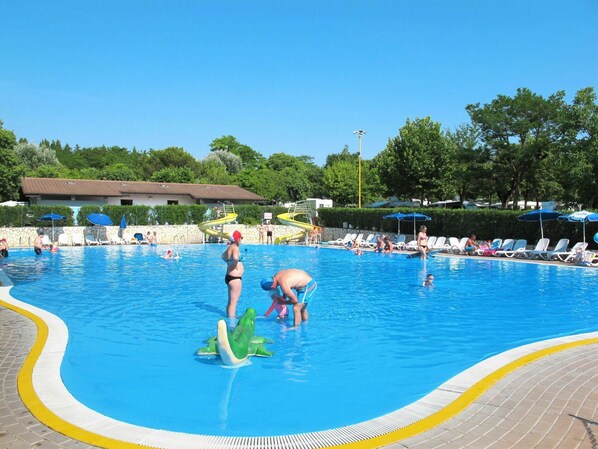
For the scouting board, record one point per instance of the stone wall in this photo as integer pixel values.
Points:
(168, 234)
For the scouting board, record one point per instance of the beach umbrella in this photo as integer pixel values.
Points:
(52, 218)
(398, 216)
(98, 220)
(540, 215)
(415, 217)
(123, 225)
(582, 216)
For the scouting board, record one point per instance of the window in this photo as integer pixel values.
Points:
(172, 202)
(126, 202)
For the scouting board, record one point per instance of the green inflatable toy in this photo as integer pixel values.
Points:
(234, 347)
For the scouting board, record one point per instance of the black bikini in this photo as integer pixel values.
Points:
(229, 278)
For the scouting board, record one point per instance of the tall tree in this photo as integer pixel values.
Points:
(11, 170)
(519, 132)
(249, 157)
(34, 156)
(418, 163)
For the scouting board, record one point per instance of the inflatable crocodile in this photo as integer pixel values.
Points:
(236, 346)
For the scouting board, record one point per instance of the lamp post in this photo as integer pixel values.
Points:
(359, 132)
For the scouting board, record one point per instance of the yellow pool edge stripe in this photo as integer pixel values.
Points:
(468, 397)
(36, 406)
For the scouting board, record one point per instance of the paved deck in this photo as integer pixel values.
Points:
(550, 403)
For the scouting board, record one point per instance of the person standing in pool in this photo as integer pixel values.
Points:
(38, 244)
(269, 232)
(297, 287)
(422, 241)
(234, 273)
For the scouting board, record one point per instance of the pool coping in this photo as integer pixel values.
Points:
(42, 391)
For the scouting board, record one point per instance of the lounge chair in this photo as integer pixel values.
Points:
(432, 242)
(63, 240)
(399, 241)
(516, 248)
(410, 246)
(457, 246)
(440, 245)
(140, 238)
(46, 240)
(342, 241)
(541, 247)
(77, 240)
(560, 247)
(116, 240)
(371, 238)
(569, 256)
(373, 243)
(91, 240)
(356, 242)
(489, 250)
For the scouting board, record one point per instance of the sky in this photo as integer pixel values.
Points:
(291, 76)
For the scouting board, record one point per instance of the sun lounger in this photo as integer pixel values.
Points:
(541, 248)
(559, 248)
(569, 256)
(516, 248)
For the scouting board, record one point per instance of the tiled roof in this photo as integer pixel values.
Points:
(84, 187)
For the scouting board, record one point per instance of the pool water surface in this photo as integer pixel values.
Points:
(376, 340)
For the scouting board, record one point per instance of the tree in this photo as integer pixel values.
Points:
(213, 171)
(174, 174)
(171, 157)
(119, 172)
(11, 171)
(473, 169)
(231, 161)
(340, 181)
(418, 163)
(577, 161)
(249, 157)
(519, 132)
(33, 156)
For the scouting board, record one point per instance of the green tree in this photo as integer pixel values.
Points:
(213, 171)
(418, 163)
(119, 172)
(11, 171)
(340, 181)
(172, 157)
(519, 132)
(577, 160)
(473, 169)
(231, 161)
(174, 174)
(33, 156)
(249, 157)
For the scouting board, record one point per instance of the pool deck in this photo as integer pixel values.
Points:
(551, 402)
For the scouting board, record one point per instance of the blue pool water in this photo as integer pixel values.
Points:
(376, 339)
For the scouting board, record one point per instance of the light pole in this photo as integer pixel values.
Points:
(359, 132)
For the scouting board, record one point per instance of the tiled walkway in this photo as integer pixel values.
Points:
(550, 403)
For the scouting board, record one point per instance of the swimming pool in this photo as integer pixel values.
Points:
(135, 321)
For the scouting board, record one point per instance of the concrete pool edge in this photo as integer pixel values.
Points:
(445, 402)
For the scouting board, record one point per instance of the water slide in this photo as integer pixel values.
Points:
(208, 226)
(289, 220)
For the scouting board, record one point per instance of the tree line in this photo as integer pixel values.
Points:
(524, 147)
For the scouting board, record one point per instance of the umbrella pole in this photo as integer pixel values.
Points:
(541, 227)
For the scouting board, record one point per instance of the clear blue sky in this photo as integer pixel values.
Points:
(287, 76)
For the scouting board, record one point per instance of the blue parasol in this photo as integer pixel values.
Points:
(99, 219)
(582, 216)
(52, 218)
(398, 216)
(540, 215)
(123, 222)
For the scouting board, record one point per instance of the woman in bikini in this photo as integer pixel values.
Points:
(422, 241)
(234, 273)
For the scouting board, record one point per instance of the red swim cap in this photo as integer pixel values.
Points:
(237, 236)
